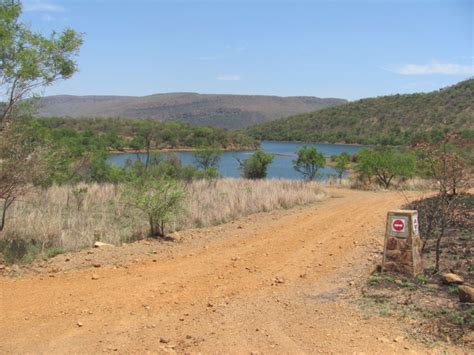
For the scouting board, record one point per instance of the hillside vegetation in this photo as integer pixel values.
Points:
(123, 134)
(394, 120)
(225, 111)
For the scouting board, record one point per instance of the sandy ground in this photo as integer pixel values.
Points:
(277, 282)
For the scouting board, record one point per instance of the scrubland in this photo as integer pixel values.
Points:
(61, 219)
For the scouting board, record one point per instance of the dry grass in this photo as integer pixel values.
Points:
(57, 218)
(412, 184)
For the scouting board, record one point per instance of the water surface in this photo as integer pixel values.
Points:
(281, 167)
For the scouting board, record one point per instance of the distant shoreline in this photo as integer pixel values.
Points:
(232, 149)
(302, 142)
(173, 150)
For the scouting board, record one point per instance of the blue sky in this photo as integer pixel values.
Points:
(348, 49)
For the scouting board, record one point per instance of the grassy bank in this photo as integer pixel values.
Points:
(59, 219)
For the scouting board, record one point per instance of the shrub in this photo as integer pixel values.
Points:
(256, 166)
(207, 157)
(309, 162)
(384, 164)
(342, 163)
(159, 199)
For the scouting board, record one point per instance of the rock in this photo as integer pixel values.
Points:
(79, 324)
(393, 254)
(2, 267)
(391, 266)
(164, 340)
(392, 243)
(398, 339)
(96, 265)
(279, 280)
(95, 277)
(466, 294)
(101, 245)
(450, 278)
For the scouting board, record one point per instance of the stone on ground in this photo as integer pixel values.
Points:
(466, 294)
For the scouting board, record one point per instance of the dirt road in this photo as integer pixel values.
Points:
(278, 282)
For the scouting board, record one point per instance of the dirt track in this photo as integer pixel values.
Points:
(284, 282)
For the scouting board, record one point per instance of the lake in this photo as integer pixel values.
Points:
(281, 167)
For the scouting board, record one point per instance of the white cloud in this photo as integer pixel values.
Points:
(41, 6)
(229, 77)
(434, 67)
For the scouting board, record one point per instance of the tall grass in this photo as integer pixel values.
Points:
(67, 218)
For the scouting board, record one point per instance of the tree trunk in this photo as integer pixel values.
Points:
(6, 204)
(147, 161)
(438, 250)
(152, 227)
(440, 237)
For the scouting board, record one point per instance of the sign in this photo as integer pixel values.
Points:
(402, 247)
(398, 225)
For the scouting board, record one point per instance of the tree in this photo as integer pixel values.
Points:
(207, 157)
(29, 60)
(255, 167)
(441, 163)
(309, 162)
(342, 163)
(22, 163)
(159, 199)
(384, 164)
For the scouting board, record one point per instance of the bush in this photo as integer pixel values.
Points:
(207, 157)
(309, 162)
(159, 199)
(384, 164)
(256, 166)
(342, 163)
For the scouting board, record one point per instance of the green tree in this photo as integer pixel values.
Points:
(207, 157)
(29, 60)
(384, 164)
(22, 164)
(159, 199)
(342, 164)
(309, 162)
(255, 167)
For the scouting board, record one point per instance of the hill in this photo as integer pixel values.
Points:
(225, 111)
(396, 119)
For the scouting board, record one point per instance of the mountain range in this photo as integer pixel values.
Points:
(225, 111)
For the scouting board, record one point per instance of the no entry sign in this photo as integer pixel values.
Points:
(402, 249)
(398, 225)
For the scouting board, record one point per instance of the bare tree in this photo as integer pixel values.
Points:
(447, 168)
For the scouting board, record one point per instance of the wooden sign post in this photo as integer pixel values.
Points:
(402, 249)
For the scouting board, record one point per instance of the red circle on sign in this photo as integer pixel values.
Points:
(398, 225)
